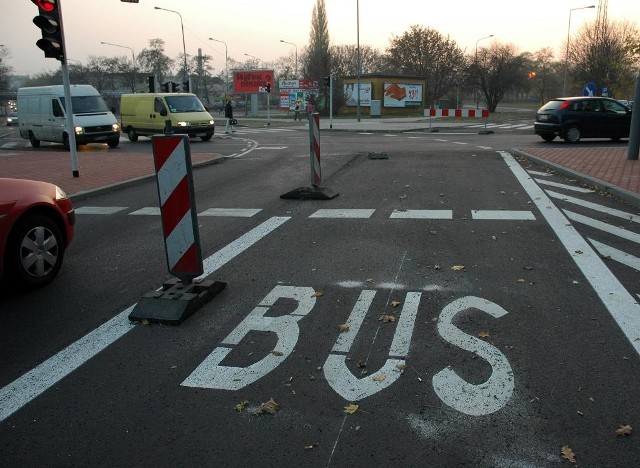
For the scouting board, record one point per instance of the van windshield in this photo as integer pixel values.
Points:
(86, 104)
(184, 104)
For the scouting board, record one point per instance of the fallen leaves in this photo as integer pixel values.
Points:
(242, 405)
(268, 407)
(457, 267)
(394, 303)
(277, 353)
(350, 409)
(484, 334)
(343, 328)
(385, 318)
(624, 430)
(379, 378)
(568, 454)
(318, 294)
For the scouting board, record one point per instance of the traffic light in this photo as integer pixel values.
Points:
(267, 87)
(166, 87)
(327, 81)
(174, 87)
(50, 23)
(185, 86)
(151, 80)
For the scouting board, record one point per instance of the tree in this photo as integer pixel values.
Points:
(154, 61)
(546, 80)
(5, 69)
(426, 53)
(605, 55)
(317, 57)
(497, 70)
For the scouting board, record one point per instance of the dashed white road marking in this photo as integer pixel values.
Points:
(422, 214)
(99, 210)
(231, 212)
(146, 211)
(503, 215)
(344, 213)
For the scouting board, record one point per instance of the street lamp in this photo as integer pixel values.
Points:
(184, 48)
(476, 60)
(226, 63)
(255, 58)
(133, 57)
(296, 54)
(566, 55)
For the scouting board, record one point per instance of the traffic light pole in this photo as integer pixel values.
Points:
(68, 103)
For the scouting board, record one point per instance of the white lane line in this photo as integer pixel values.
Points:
(616, 255)
(594, 223)
(35, 382)
(231, 212)
(146, 211)
(251, 145)
(422, 214)
(460, 143)
(485, 147)
(594, 206)
(503, 215)
(564, 186)
(346, 213)
(99, 210)
(624, 309)
(538, 173)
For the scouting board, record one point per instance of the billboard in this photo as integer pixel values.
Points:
(402, 95)
(251, 81)
(351, 97)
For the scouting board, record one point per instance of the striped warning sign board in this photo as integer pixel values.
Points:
(172, 158)
(483, 113)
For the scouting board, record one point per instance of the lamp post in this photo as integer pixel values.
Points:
(476, 60)
(133, 57)
(184, 48)
(226, 63)
(566, 55)
(255, 58)
(296, 54)
(358, 112)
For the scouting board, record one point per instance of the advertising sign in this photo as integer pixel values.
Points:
(251, 81)
(351, 97)
(402, 95)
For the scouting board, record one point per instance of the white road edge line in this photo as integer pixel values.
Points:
(624, 309)
(35, 382)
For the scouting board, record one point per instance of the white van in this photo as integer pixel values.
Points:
(41, 116)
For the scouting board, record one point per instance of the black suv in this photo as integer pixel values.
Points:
(573, 118)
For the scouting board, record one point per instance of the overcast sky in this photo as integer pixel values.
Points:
(255, 27)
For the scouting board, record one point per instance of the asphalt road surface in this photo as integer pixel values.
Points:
(442, 310)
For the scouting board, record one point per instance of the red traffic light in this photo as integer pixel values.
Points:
(46, 5)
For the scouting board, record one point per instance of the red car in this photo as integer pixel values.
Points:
(36, 227)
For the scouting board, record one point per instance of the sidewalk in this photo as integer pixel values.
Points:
(605, 167)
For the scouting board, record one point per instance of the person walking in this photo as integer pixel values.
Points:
(296, 112)
(228, 113)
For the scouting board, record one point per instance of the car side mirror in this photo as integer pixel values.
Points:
(163, 112)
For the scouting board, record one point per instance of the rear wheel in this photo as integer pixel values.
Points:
(131, 134)
(32, 139)
(35, 251)
(548, 136)
(572, 135)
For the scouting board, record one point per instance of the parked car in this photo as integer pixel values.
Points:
(573, 118)
(36, 227)
(12, 119)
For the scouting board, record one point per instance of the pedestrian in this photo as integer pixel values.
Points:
(296, 114)
(228, 113)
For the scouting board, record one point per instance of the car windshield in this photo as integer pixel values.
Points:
(86, 104)
(184, 104)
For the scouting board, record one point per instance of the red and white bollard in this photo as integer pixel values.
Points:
(314, 146)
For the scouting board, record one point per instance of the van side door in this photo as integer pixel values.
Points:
(157, 118)
(56, 121)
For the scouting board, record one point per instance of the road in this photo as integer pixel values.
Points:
(441, 311)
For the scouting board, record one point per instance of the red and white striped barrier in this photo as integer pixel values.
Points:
(314, 146)
(172, 158)
(484, 113)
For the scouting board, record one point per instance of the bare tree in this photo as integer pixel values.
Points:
(154, 61)
(317, 57)
(427, 53)
(605, 55)
(5, 68)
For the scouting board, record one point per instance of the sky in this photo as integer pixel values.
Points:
(256, 27)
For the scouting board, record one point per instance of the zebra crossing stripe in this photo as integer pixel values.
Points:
(617, 255)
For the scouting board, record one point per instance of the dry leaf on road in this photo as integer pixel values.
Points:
(624, 430)
(387, 318)
(318, 294)
(457, 267)
(350, 409)
(242, 405)
(484, 334)
(343, 328)
(379, 378)
(568, 454)
(394, 303)
(268, 407)
(277, 353)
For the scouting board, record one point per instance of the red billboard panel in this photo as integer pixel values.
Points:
(251, 81)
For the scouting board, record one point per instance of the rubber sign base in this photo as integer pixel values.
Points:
(175, 301)
(310, 193)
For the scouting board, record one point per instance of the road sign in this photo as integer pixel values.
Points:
(589, 89)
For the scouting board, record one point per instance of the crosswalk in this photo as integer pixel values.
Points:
(343, 213)
(504, 126)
